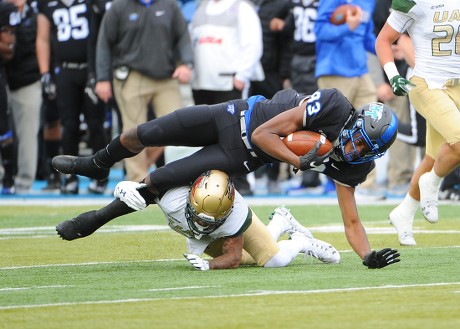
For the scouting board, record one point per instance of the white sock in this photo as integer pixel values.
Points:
(433, 178)
(409, 204)
(289, 249)
(276, 228)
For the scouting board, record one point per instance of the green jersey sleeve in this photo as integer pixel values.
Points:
(402, 5)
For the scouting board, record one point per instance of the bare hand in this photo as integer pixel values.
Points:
(104, 90)
(276, 24)
(238, 84)
(183, 73)
(353, 20)
(385, 92)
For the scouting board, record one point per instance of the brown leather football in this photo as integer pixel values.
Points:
(339, 16)
(300, 142)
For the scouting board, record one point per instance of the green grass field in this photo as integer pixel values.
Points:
(131, 275)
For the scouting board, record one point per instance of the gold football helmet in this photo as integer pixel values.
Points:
(210, 202)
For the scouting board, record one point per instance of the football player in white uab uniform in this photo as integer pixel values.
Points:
(216, 221)
(434, 90)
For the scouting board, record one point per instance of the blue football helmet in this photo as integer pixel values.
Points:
(376, 125)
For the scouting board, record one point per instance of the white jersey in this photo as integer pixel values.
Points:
(434, 29)
(173, 205)
(227, 42)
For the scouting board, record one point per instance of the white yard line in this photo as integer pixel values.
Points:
(181, 288)
(252, 200)
(88, 264)
(32, 287)
(159, 260)
(107, 229)
(44, 231)
(249, 294)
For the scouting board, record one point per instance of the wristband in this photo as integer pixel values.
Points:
(390, 70)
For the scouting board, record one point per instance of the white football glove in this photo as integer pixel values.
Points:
(127, 192)
(198, 262)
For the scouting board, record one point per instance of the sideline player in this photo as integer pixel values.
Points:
(62, 34)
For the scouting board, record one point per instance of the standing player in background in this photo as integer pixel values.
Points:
(66, 24)
(434, 90)
(9, 19)
(97, 9)
(341, 61)
(275, 63)
(25, 95)
(298, 28)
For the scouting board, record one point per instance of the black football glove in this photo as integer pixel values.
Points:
(48, 86)
(90, 88)
(312, 159)
(381, 258)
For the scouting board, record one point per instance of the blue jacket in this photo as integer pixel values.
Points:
(340, 51)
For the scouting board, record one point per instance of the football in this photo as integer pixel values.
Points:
(300, 142)
(339, 16)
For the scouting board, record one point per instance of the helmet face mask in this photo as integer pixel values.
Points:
(210, 202)
(372, 133)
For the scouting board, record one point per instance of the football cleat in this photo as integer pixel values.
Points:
(53, 183)
(77, 227)
(8, 190)
(70, 185)
(97, 186)
(403, 225)
(428, 198)
(290, 224)
(85, 166)
(450, 194)
(319, 249)
(8, 186)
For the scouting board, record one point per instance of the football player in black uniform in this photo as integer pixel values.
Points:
(67, 24)
(9, 19)
(240, 136)
(97, 9)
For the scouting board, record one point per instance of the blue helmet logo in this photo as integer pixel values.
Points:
(373, 132)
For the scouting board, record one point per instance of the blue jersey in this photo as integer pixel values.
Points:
(340, 51)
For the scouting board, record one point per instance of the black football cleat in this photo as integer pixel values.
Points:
(78, 227)
(85, 166)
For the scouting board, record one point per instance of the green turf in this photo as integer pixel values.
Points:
(139, 279)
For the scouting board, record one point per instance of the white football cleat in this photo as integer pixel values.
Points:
(324, 251)
(403, 225)
(290, 223)
(428, 198)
